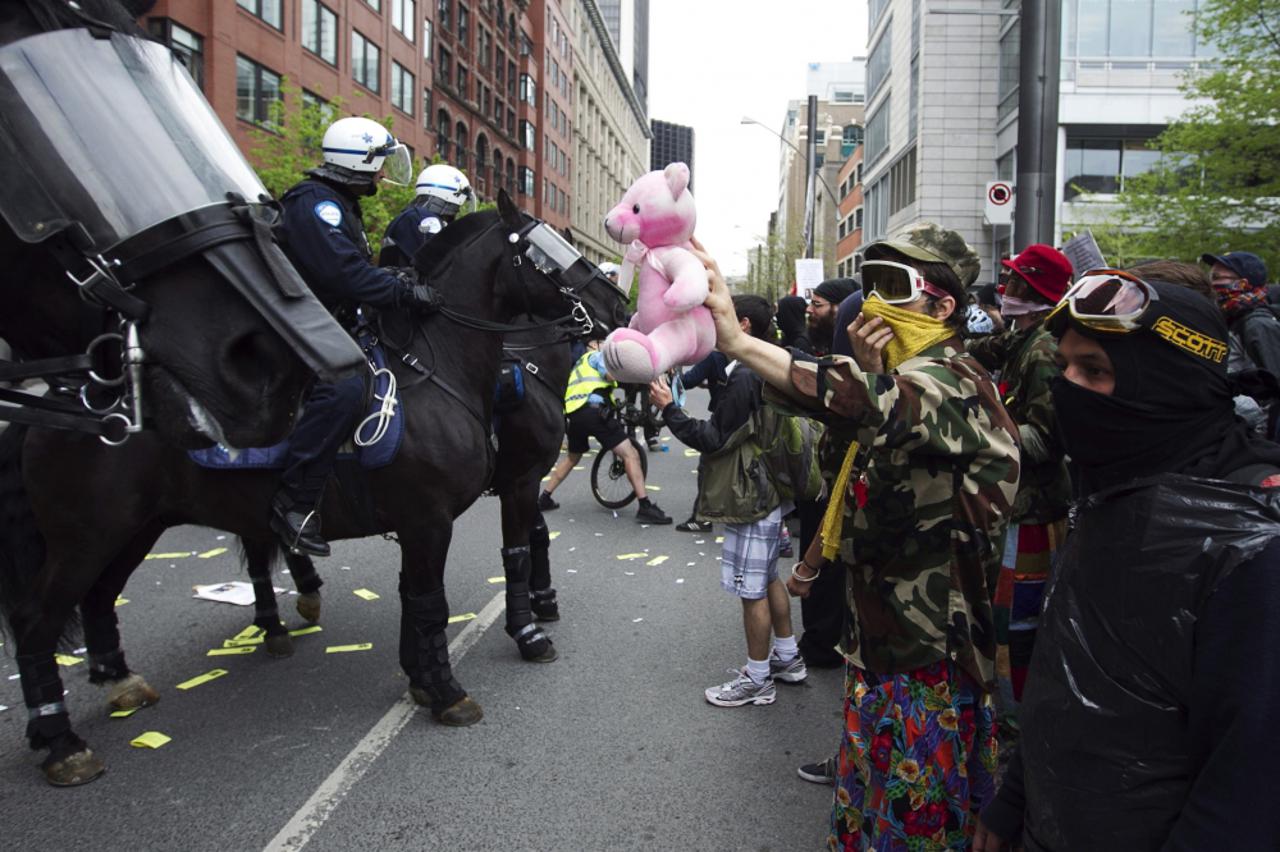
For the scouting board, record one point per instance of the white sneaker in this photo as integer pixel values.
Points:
(742, 690)
(792, 671)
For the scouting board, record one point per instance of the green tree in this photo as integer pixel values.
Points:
(1216, 186)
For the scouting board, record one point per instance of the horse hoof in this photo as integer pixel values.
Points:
(309, 606)
(130, 694)
(279, 645)
(550, 655)
(538, 649)
(73, 770)
(463, 713)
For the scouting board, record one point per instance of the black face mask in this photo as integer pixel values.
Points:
(1171, 411)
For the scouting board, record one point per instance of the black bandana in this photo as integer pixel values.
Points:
(1171, 411)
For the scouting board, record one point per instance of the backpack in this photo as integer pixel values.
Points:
(789, 450)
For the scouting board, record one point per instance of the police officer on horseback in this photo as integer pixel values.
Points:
(323, 235)
(441, 192)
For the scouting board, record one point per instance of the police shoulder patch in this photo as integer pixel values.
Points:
(330, 213)
(430, 225)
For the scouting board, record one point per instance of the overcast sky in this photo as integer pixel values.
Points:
(711, 62)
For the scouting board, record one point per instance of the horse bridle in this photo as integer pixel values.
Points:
(105, 280)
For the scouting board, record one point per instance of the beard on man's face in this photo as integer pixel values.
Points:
(821, 326)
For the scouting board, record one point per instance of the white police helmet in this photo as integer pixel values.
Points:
(363, 147)
(443, 189)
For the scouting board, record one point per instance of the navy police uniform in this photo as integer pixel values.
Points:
(407, 234)
(323, 235)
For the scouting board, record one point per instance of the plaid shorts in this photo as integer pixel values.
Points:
(749, 560)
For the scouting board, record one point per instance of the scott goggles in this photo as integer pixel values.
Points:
(1105, 300)
(895, 283)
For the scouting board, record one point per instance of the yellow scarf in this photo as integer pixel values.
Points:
(912, 334)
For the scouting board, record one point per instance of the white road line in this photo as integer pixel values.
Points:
(298, 831)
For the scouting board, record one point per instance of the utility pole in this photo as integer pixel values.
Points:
(811, 185)
(1040, 29)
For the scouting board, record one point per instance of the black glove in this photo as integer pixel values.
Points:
(425, 298)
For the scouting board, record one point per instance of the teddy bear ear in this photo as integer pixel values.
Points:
(677, 175)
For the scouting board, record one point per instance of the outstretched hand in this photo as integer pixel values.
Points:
(660, 392)
(728, 332)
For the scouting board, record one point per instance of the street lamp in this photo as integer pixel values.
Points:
(791, 145)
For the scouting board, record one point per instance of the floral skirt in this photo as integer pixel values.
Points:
(917, 760)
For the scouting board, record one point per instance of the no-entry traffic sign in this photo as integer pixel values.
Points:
(999, 202)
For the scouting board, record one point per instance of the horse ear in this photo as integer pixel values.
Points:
(677, 175)
(138, 8)
(508, 211)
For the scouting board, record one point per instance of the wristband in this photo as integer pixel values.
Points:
(798, 578)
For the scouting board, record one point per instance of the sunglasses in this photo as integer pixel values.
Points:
(1106, 300)
(895, 283)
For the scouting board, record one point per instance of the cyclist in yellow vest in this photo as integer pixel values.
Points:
(587, 403)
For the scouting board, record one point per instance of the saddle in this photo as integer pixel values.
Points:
(376, 454)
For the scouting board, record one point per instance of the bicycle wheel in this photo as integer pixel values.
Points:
(609, 483)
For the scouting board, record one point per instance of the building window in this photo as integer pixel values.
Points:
(257, 91)
(1007, 93)
(902, 182)
(850, 138)
(511, 122)
(526, 186)
(875, 8)
(857, 218)
(444, 68)
(464, 25)
(427, 53)
(376, 5)
(426, 108)
(444, 14)
(403, 15)
(486, 49)
(443, 126)
(187, 47)
(464, 83)
(320, 31)
(528, 90)
(878, 62)
(402, 88)
(1103, 164)
(482, 156)
(366, 62)
(913, 98)
(842, 96)
(528, 135)
(511, 176)
(267, 10)
(878, 133)
(460, 138)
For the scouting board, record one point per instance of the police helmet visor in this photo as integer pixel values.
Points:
(397, 168)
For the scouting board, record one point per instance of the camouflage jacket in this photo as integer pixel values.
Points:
(941, 474)
(1025, 361)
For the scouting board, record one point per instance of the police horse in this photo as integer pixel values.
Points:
(529, 432)
(136, 269)
(93, 539)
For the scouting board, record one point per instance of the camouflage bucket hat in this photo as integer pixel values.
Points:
(932, 243)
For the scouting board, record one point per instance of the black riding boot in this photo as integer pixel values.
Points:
(297, 522)
(533, 643)
(542, 598)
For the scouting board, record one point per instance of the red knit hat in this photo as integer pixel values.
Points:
(1045, 268)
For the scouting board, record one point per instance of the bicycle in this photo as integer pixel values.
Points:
(609, 483)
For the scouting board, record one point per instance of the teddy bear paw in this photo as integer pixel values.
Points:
(629, 357)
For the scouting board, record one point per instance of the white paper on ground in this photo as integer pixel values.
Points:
(235, 592)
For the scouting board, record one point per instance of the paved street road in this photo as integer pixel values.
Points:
(610, 747)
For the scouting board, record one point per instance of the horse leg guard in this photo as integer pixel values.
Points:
(308, 583)
(70, 762)
(424, 656)
(266, 614)
(535, 646)
(542, 596)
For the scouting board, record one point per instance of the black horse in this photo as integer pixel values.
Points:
(101, 510)
(177, 297)
(529, 438)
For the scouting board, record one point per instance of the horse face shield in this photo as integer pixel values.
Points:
(555, 257)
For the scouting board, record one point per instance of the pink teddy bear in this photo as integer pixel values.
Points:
(656, 217)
